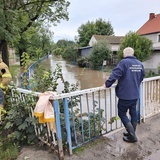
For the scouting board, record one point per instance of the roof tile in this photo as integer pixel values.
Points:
(110, 39)
(151, 26)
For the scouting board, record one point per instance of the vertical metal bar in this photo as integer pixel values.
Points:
(81, 118)
(145, 90)
(110, 106)
(75, 133)
(89, 127)
(158, 91)
(149, 105)
(105, 103)
(100, 118)
(140, 104)
(58, 130)
(35, 129)
(67, 121)
(94, 113)
(116, 113)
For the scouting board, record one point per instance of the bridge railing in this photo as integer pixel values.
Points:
(30, 72)
(84, 115)
(150, 97)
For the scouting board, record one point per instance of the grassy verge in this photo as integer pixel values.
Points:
(15, 71)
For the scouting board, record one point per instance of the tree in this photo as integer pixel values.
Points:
(67, 49)
(24, 14)
(38, 41)
(99, 27)
(9, 31)
(62, 43)
(101, 51)
(70, 53)
(142, 46)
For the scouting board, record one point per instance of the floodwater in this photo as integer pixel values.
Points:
(86, 78)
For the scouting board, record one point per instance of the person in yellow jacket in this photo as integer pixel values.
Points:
(5, 78)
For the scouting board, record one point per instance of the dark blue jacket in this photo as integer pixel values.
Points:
(129, 73)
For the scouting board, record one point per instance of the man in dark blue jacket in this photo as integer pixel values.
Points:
(129, 73)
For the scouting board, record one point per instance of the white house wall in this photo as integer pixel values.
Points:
(92, 41)
(153, 63)
(114, 47)
(153, 37)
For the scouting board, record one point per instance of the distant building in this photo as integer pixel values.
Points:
(113, 41)
(151, 30)
(85, 51)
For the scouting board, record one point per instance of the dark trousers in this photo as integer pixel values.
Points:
(123, 107)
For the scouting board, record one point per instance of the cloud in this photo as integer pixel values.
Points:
(124, 15)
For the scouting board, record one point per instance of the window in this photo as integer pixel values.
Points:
(159, 38)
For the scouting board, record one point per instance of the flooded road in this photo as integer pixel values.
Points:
(86, 78)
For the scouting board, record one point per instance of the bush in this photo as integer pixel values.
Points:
(83, 62)
(100, 52)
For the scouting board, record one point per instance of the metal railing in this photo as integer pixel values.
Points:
(30, 72)
(150, 97)
(84, 115)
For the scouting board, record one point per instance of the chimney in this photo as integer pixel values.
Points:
(151, 16)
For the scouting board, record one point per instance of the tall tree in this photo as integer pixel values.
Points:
(38, 40)
(24, 14)
(8, 29)
(142, 46)
(99, 27)
(67, 49)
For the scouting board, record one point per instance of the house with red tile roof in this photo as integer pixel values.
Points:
(151, 30)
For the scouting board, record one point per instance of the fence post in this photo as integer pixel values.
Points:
(58, 128)
(140, 103)
(67, 121)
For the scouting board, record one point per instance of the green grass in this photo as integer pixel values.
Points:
(15, 70)
(100, 140)
(9, 151)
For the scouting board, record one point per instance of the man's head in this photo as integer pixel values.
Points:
(128, 52)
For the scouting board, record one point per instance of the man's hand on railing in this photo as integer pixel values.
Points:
(104, 86)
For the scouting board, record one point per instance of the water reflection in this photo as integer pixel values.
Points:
(86, 78)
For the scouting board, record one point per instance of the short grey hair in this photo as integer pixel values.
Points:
(128, 52)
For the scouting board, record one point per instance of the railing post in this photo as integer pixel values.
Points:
(140, 103)
(58, 128)
(67, 121)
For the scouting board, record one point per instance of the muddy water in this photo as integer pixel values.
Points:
(86, 78)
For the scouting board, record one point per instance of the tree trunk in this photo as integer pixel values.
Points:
(4, 52)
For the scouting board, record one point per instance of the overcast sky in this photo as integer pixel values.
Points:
(124, 15)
